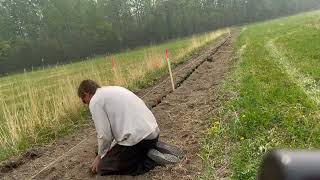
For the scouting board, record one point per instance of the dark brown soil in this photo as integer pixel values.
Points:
(182, 116)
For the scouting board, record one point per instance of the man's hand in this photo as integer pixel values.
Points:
(95, 164)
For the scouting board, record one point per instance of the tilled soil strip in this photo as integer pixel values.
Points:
(153, 95)
(193, 99)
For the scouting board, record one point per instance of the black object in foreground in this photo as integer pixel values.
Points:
(290, 165)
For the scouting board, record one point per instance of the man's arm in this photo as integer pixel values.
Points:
(103, 128)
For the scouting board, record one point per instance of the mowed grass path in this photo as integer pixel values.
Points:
(273, 91)
(37, 107)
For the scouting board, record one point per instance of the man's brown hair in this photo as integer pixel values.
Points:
(87, 86)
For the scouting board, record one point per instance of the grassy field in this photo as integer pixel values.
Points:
(37, 107)
(273, 97)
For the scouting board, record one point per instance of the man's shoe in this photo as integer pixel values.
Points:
(169, 149)
(161, 158)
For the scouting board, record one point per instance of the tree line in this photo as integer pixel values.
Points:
(38, 32)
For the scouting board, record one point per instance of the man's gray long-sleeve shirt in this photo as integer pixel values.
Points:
(120, 116)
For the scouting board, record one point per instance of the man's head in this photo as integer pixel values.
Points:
(87, 89)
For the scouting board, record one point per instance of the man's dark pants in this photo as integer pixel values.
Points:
(128, 160)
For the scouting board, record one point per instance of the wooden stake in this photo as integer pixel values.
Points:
(169, 66)
(114, 64)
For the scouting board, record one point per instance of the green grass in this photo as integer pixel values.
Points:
(303, 48)
(40, 106)
(271, 106)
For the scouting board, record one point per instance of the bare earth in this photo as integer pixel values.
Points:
(182, 116)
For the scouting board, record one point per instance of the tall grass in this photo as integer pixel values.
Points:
(36, 107)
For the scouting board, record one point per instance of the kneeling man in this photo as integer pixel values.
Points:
(126, 130)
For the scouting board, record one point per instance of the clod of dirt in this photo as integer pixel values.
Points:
(159, 100)
(9, 166)
(32, 154)
(62, 142)
(185, 135)
(209, 59)
(12, 164)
